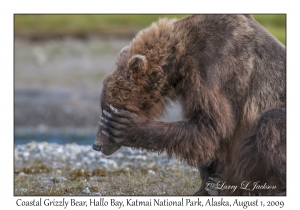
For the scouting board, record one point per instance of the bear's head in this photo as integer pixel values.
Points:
(135, 84)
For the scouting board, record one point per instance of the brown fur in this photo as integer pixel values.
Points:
(229, 75)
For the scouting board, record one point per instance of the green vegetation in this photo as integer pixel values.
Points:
(78, 25)
(275, 24)
(83, 24)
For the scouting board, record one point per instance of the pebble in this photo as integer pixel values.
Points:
(151, 172)
(23, 191)
(86, 190)
(22, 174)
(59, 179)
(84, 157)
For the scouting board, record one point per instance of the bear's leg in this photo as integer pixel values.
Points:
(271, 141)
(204, 175)
(208, 181)
(259, 158)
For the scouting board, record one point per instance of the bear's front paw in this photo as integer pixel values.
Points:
(117, 124)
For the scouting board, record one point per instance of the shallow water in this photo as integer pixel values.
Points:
(86, 139)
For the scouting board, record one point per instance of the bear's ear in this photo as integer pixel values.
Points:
(137, 67)
(124, 51)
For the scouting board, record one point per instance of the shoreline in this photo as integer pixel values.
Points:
(52, 169)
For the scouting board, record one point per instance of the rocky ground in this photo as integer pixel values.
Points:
(50, 169)
(83, 157)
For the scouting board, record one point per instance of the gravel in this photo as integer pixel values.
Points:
(84, 157)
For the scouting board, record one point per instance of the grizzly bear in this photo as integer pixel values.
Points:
(229, 74)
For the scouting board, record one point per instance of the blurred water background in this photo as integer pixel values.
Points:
(59, 64)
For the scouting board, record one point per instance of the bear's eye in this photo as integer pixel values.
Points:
(144, 106)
